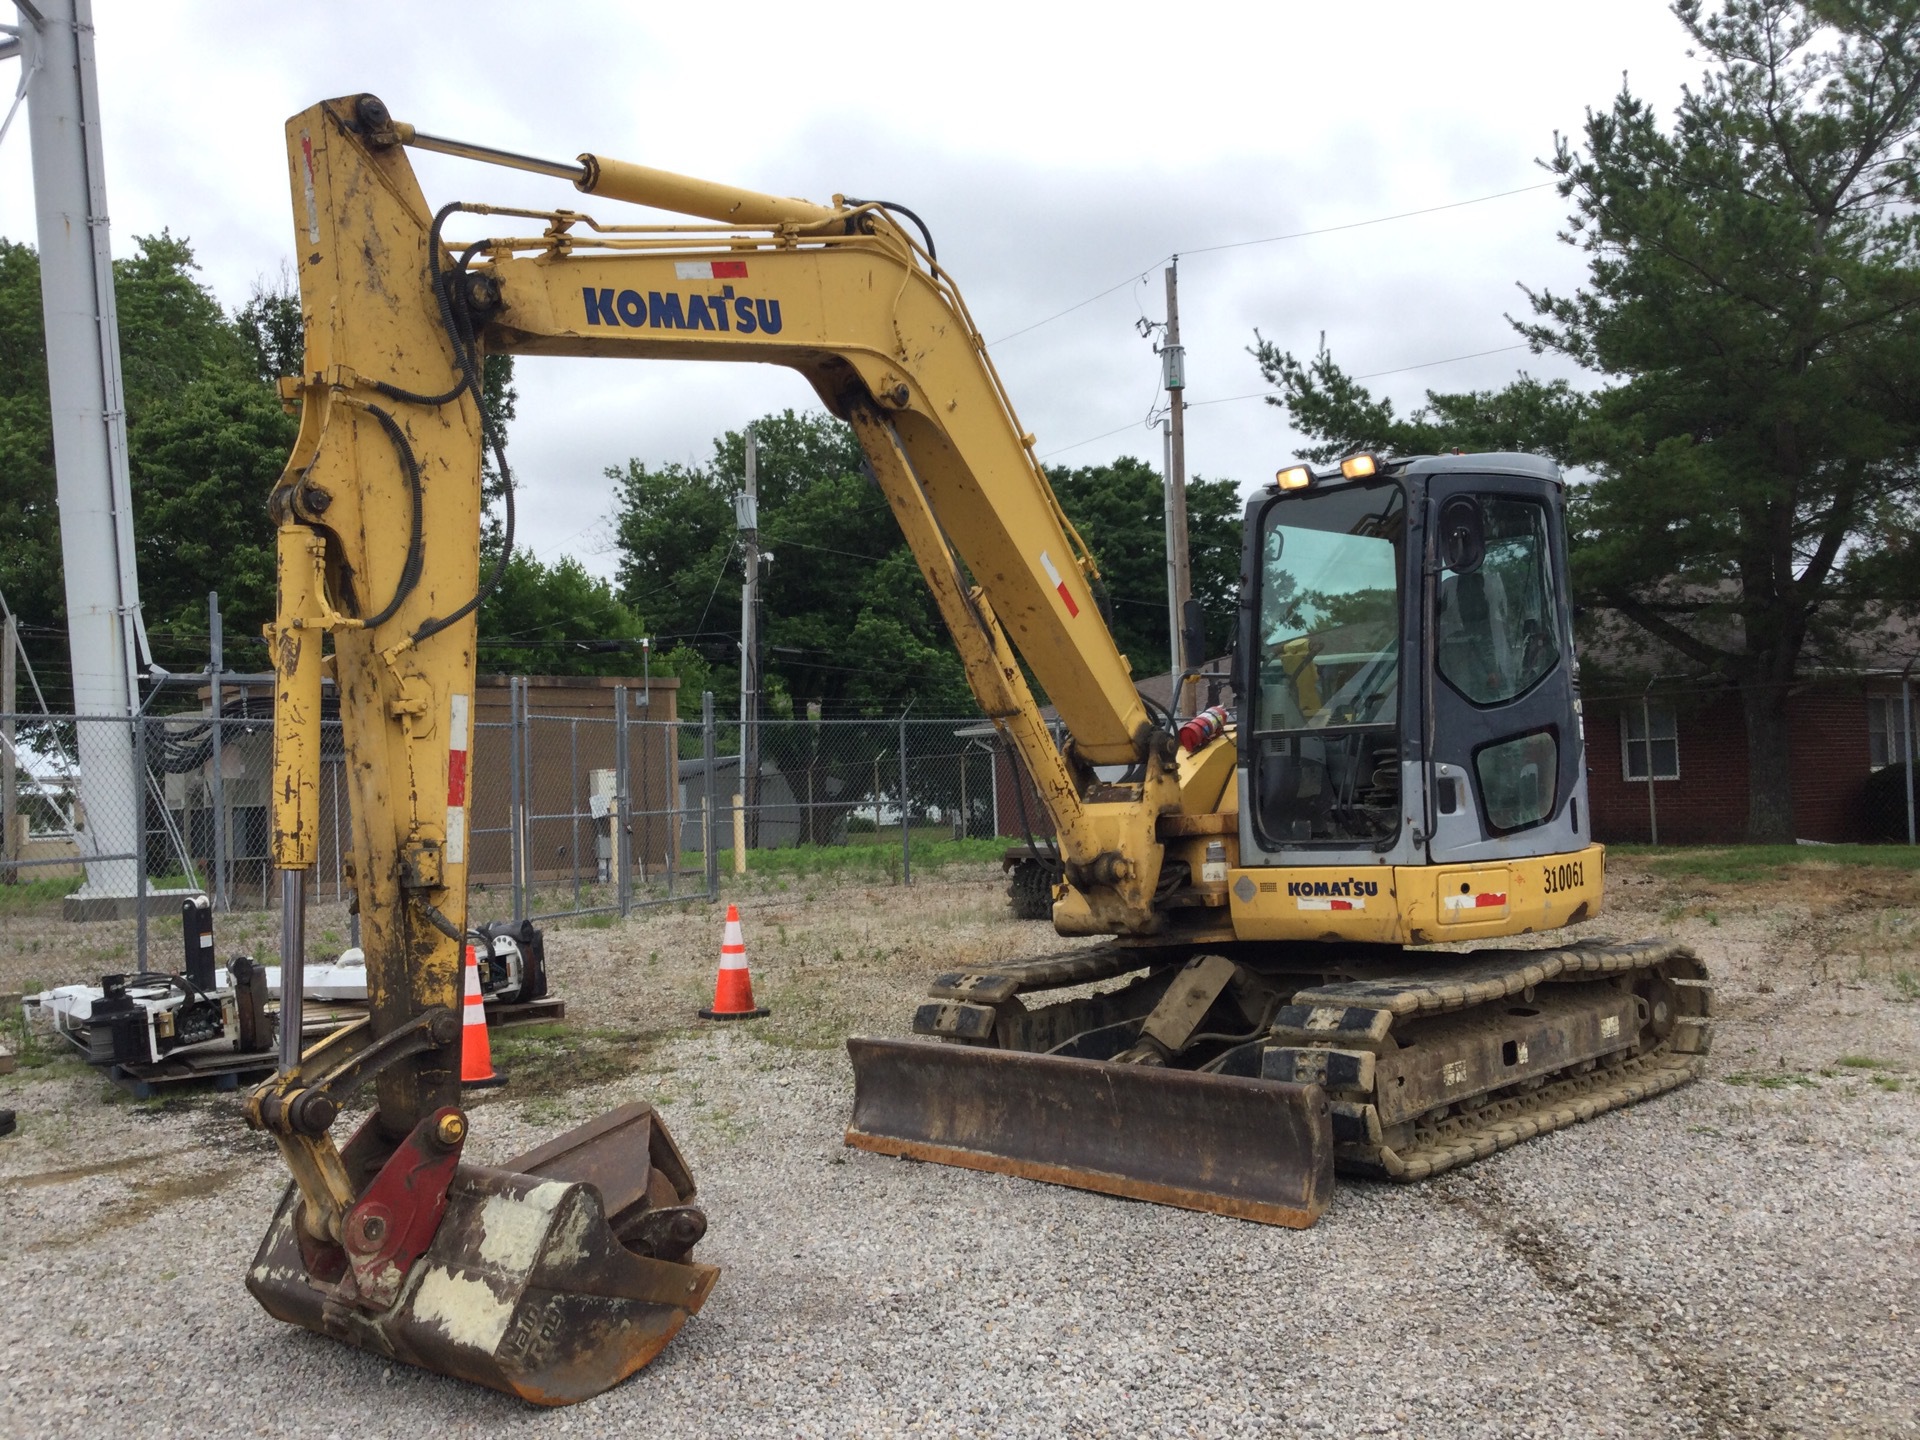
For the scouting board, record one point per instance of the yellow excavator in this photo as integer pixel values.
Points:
(1277, 993)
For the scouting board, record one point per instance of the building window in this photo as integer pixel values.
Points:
(1635, 741)
(1886, 728)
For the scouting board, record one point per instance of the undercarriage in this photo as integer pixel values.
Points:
(1217, 1065)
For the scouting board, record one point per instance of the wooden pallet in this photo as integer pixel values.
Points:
(527, 1011)
(227, 1069)
(340, 1012)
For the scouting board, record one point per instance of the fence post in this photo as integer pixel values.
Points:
(217, 664)
(619, 822)
(516, 858)
(710, 815)
(140, 839)
(906, 811)
(9, 775)
(668, 735)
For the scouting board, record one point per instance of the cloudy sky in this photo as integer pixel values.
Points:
(1056, 151)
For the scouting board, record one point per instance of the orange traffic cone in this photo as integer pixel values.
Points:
(476, 1054)
(733, 987)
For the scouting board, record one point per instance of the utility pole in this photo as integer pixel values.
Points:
(1173, 360)
(9, 778)
(88, 411)
(747, 514)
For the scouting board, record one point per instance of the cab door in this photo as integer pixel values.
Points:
(1506, 765)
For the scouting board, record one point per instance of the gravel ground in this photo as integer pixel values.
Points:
(1739, 1258)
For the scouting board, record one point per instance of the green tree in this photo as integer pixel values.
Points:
(30, 558)
(273, 332)
(201, 467)
(205, 441)
(846, 620)
(1752, 313)
(1120, 511)
(557, 620)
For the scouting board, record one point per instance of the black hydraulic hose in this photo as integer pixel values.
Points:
(161, 978)
(434, 627)
(1026, 826)
(459, 331)
(410, 571)
(442, 293)
(925, 233)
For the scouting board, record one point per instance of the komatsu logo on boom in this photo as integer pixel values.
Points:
(671, 310)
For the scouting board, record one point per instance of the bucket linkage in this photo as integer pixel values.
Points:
(552, 1277)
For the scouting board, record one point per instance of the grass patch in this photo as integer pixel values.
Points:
(1866, 1062)
(1746, 864)
(33, 894)
(1889, 1082)
(1771, 1080)
(857, 860)
(551, 1056)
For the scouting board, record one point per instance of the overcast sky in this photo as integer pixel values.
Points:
(1055, 151)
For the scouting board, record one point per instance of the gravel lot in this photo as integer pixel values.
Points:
(1739, 1258)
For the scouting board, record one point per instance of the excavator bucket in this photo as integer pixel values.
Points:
(553, 1277)
(1256, 1149)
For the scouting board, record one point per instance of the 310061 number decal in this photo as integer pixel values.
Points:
(1570, 876)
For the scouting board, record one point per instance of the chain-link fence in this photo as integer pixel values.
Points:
(570, 813)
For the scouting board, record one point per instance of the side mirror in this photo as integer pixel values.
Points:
(1193, 634)
(1463, 536)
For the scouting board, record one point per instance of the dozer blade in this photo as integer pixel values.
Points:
(1256, 1149)
(552, 1278)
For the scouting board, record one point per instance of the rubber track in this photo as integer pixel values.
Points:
(1501, 1124)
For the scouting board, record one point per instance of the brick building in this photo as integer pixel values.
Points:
(1673, 761)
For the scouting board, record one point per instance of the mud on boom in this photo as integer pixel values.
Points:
(1405, 769)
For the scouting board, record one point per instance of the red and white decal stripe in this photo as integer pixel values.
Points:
(457, 781)
(709, 269)
(1331, 904)
(1053, 578)
(1491, 900)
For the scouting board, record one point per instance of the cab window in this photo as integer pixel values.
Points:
(1498, 622)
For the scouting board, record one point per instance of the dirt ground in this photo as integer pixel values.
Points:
(1739, 1258)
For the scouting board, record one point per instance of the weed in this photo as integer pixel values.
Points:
(1906, 984)
(1888, 1082)
(31, 894)
(1866, 1062)
(597, 922)
(545, 1059)
(1741, 864)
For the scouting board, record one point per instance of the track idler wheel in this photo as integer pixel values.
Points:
(553, 1277)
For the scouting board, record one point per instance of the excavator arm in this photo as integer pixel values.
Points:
(842, 295)
(390, 1242)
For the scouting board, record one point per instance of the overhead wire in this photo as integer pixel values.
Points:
(1268, 394)
(1142, 273)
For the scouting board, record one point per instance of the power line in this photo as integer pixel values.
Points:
(1266, 394)
(1139, 276)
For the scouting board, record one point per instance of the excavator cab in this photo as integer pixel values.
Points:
(1408, 687)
